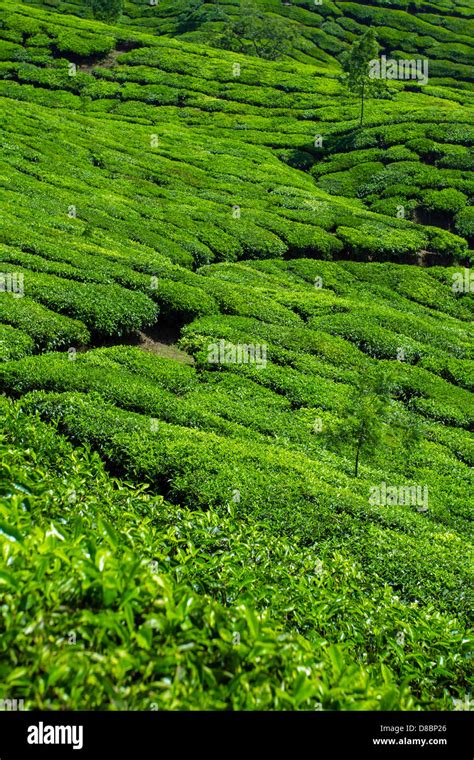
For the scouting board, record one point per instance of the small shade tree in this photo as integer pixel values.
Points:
(356, 66)
(372, 420)
(257, 33)
(196, 13)
(106, 10)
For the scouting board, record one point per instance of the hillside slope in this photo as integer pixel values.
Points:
(204, 531)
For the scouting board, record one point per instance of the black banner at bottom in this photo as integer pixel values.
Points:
(119, 734)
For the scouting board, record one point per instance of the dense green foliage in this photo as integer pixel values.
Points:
(107, 10)
(201, 604)
(178, 532)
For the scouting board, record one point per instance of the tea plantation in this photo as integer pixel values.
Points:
(236, 358)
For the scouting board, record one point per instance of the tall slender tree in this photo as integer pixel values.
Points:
(355, 64)
(372, 422)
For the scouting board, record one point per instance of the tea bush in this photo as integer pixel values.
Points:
(14, 343)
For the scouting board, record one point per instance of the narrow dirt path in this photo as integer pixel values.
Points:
(168, 350)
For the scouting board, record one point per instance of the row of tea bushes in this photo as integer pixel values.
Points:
(57, 372)
(48, 330)
(104, 309)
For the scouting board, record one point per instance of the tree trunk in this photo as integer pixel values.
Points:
(362, 106)
(356, 469)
